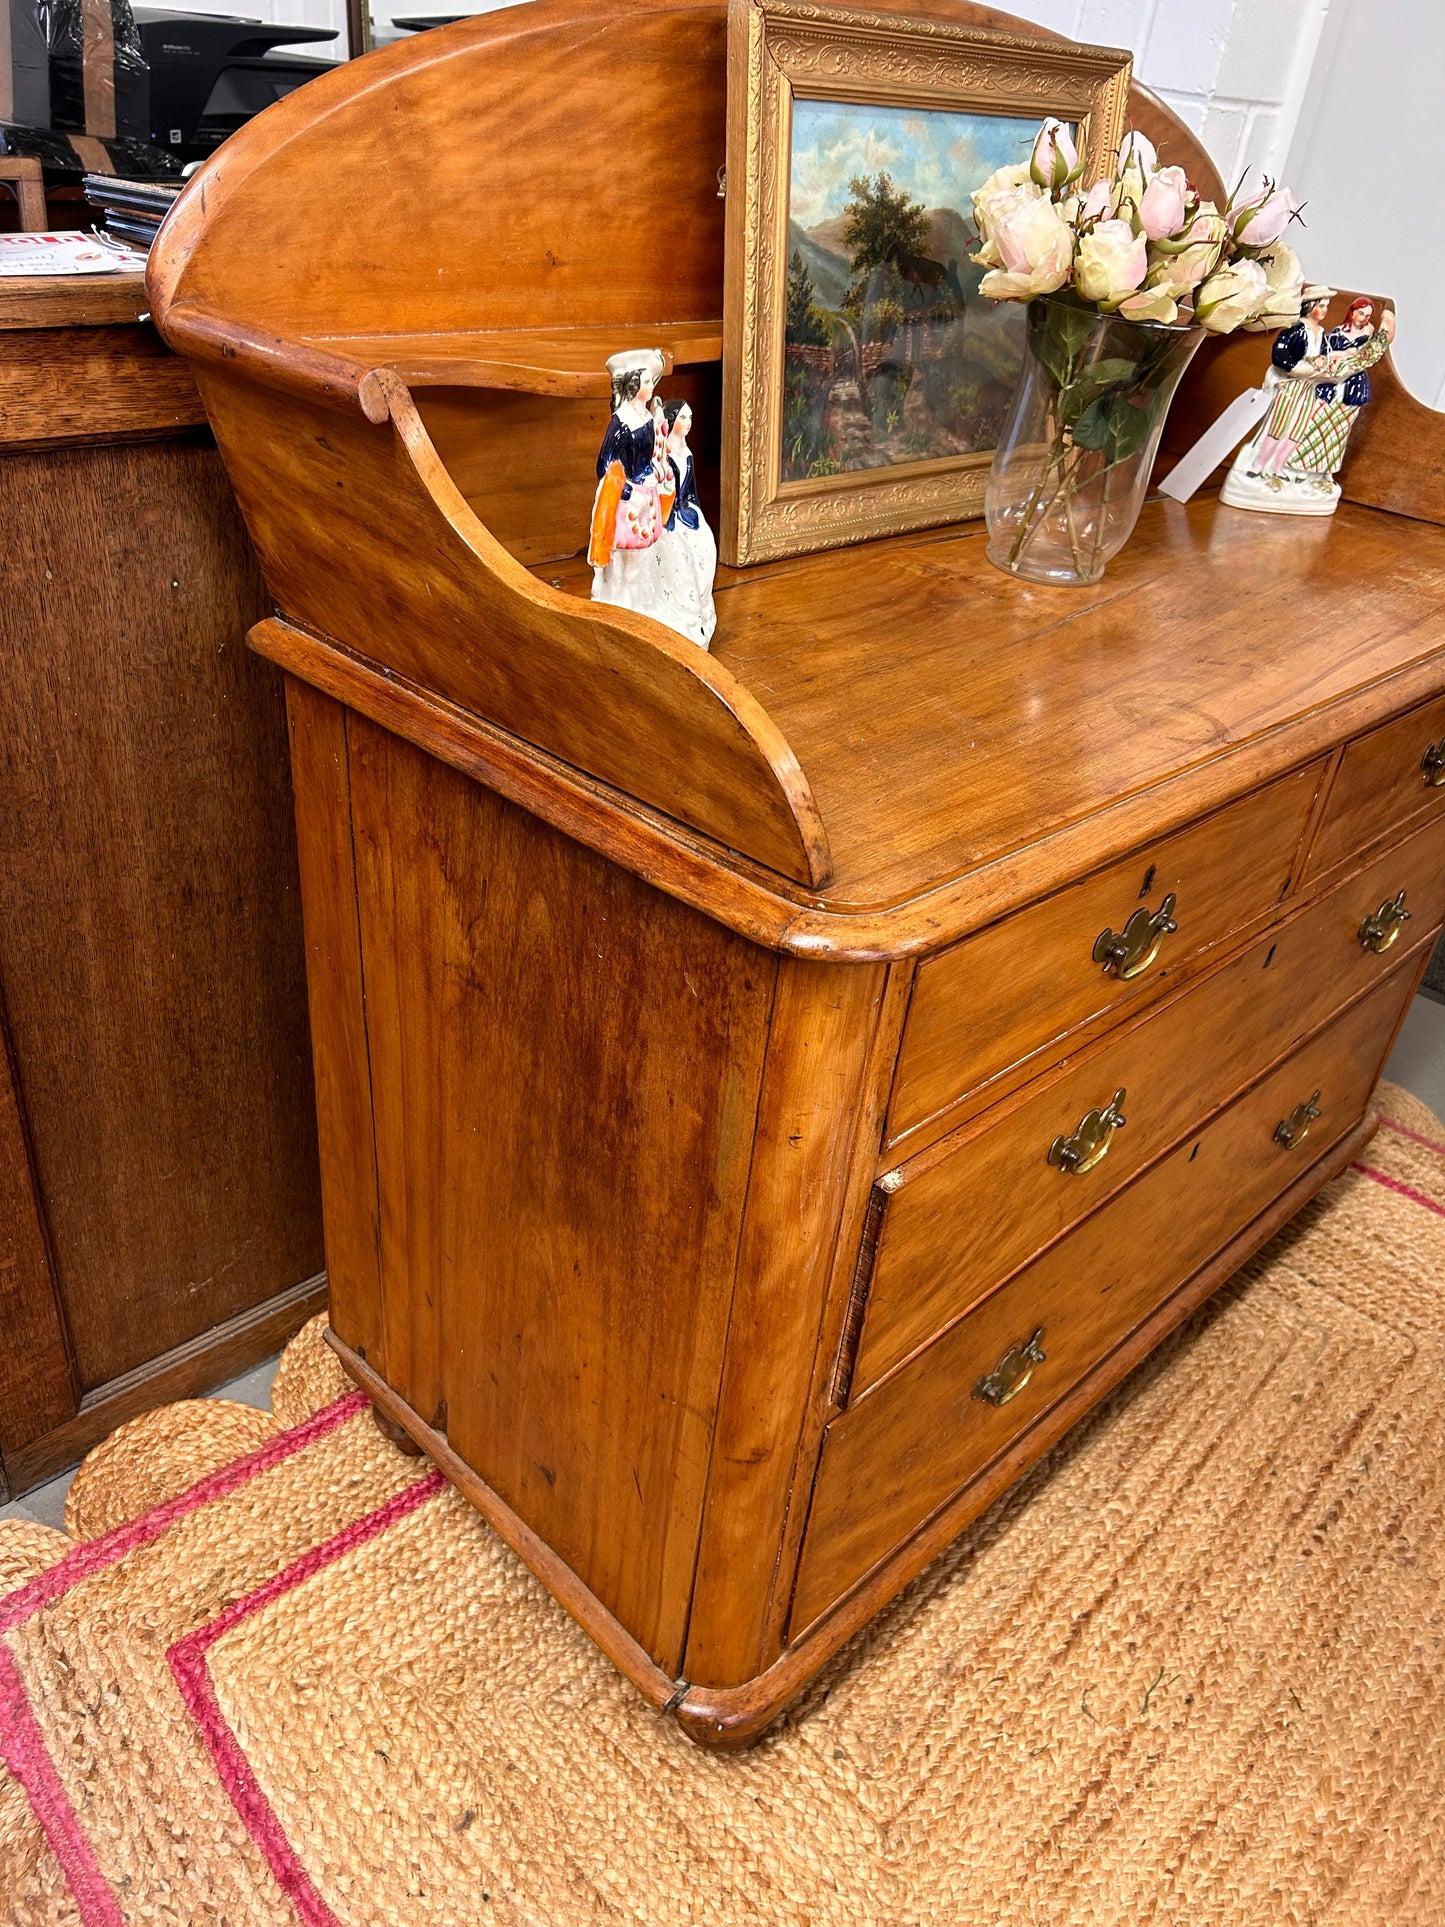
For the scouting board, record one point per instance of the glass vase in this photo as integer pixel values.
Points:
(1072, 467)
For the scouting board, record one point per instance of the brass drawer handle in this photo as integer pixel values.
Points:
(1379, 931)
(1130, 952)
(1295, 1128)
(1013, 1371)
(1091, 1141)
(1432, 763)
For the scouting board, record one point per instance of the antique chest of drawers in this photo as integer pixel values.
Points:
(765, 1097)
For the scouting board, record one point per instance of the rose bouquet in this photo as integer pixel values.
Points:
(1123, 279)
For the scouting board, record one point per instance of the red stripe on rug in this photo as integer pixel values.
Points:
(188, 1666)
(22, 1747)
(22, 1742)
(1401, 1190)
(1415, 1137)
(96, 1554)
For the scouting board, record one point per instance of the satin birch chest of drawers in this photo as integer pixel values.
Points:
(766, 1097)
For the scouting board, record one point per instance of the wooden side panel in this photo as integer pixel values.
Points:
(823, 1022)
(150, 946)
(565, 1068)
(364, 536)
(35, 1389)
(336, 995)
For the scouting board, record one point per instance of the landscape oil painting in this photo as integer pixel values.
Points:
(890, 355)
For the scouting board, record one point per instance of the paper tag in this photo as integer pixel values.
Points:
(1215, 443)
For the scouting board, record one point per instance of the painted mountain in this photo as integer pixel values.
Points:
(950, 237)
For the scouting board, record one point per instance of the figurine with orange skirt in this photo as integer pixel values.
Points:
(637, 486)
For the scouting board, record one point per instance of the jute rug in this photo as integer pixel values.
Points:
(1191, 1670)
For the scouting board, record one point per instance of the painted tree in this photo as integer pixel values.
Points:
(806, 325)
(884, 227)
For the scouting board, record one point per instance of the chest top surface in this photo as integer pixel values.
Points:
(949, 716)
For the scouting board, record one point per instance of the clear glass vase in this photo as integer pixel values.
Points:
(1073, 465)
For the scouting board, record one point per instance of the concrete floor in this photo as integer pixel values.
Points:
(1418, 1062)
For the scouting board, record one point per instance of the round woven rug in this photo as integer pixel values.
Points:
(1191, 1670)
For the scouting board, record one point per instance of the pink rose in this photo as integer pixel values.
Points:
(1033, 245)
(1259, 224)
(1055, 159)
(1161, 206)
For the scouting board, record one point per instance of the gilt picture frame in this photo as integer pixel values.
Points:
(864, 380)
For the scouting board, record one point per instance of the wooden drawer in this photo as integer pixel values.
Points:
(896, 1455)
(1000, 997)
(947, 1225)
(1381, 786)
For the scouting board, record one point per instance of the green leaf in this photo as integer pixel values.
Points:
(1096, 380)
(1091, 425)
(1112, 424)
(1060, 330)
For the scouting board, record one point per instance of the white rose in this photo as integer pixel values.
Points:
(1150, 304)
(1180, 264)
(1099, 201)
(1284, 289)
(1112, 262)
(1230, 296)
(988, 197)
(1033, 244)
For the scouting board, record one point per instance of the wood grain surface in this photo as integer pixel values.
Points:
(958, 1217)
(365, 537)
(731, 1718)
(151, 947)
(565, 1073)
(1381, 787)
(336, 996)
(72, 300)
(67, 385)
(1005, 995)
(921, 1434)
(814, 1087)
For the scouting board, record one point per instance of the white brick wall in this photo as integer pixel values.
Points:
(1248, 76)
(1234, 69)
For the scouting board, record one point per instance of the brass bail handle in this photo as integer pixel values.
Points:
(1295, 1128)
(1013, 1371)
(1090, 1143)
(1432, 764)
(1130, 951)
(1380, 930)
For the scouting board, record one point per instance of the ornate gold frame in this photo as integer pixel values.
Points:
(777, 48)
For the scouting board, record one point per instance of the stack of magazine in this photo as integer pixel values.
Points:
(133, 210)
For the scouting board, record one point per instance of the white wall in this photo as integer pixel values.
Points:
(1361, 160)
(1330, 95)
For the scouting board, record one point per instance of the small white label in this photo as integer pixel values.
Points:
(1215, 443)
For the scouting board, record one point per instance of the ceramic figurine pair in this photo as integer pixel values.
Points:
(651, 548)
(1319, 381)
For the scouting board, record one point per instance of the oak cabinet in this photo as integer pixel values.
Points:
(160, 1223)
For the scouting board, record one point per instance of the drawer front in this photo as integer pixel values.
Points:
(998, 998)
(1383, 785)
(894, 1457)
(953, 1221)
